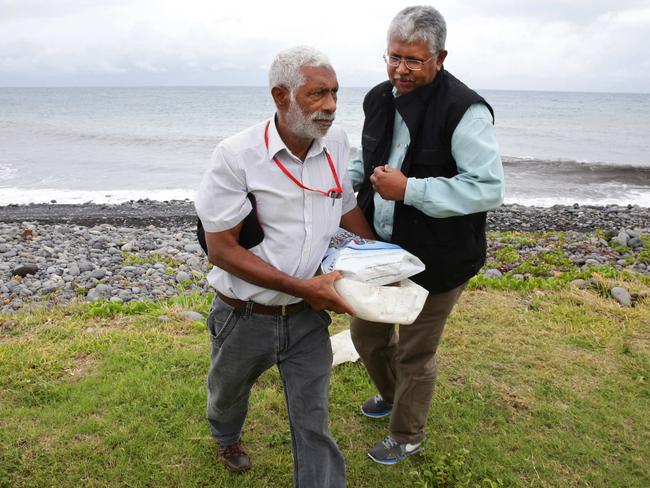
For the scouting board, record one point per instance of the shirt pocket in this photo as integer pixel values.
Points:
(334, 211)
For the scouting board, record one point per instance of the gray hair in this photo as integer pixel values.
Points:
(285, 69)
(420, 22)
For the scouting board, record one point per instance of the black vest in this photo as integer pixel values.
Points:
(452, 249)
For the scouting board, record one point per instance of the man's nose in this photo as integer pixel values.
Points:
(401, 67)
(329, 104)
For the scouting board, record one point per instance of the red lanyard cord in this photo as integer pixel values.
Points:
(332, 192)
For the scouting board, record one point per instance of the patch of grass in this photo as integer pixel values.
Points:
(557, 258)
(619, 248)
(508, 256)
(631, 258)
(631, 280)
(184, 284)
(131, 259)
(103, 308)
(544, 260)
(450, 469)
(535, 388)
(186, 301)
(535, 266)
(517, 239)
(644, 255)
(555, 280)
(509, 282)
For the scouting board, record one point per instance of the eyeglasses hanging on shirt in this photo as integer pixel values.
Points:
(332, 193)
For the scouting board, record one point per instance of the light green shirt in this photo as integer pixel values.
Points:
(477, 187)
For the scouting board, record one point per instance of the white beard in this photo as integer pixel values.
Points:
(303, 125)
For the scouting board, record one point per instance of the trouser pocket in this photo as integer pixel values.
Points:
(221, 321)
(324, 317)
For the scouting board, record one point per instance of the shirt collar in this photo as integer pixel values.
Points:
(276, 144)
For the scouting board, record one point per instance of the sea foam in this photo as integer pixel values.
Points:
(23, 196)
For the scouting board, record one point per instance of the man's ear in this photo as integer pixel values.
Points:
(281, 97)
(440, 58)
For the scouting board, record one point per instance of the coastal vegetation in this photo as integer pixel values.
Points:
(543, 381)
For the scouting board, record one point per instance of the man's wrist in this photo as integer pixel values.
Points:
(292, 286)
(414, 191)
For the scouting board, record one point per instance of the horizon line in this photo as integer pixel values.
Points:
(595, 92)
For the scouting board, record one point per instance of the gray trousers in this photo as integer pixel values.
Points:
(403, 368)
(244, 345)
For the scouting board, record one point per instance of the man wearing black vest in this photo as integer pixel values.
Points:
(427, 171)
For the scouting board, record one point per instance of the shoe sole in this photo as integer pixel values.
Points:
(376, 415)
(236, 470)
(388, 462)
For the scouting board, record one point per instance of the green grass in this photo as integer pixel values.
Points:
(543, 388)
(130, 259)
(540, 261)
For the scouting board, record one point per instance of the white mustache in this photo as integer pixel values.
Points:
(402, 78)
(322, 116)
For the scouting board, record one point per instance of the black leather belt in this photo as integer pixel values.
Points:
(264, 309)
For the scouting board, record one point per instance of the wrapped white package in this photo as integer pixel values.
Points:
(343, 350)
(386, 304)
(366, 265)
(368, 261)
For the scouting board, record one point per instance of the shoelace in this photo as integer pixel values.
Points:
(389, 442)
(378, 398)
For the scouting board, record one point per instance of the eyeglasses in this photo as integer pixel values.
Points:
(412, 64)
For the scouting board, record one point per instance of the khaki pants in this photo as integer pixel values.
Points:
(403, 367)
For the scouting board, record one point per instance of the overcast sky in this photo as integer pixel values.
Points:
(574, 45)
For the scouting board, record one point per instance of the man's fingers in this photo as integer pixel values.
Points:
(338, 303)
(347, 308)
(336, 275)
(341, 306)
(374, 180)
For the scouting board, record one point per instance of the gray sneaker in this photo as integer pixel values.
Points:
(389, 451)
(375, 407)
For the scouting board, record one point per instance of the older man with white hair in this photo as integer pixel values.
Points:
(283, 182)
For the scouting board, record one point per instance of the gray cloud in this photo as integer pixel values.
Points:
(575, 11)
(553, 45)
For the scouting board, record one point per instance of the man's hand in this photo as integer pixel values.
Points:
(320, 294)
(389, 182)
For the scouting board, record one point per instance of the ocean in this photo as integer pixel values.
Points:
(109, 145)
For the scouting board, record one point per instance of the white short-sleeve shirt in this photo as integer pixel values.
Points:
(297, 223)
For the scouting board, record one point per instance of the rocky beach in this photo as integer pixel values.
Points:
(147, 250)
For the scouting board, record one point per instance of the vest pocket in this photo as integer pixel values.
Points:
(369, 142)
